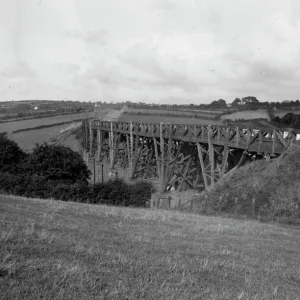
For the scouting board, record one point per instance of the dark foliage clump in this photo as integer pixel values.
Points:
(57, 172)
(11, 155)
(56, 163)
(115, 192)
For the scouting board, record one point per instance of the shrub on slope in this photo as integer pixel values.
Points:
(10, 155)
(115, 192)
(56, 163)
(274, 185)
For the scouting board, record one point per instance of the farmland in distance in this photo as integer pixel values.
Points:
(247, 115)
(178, 116)
(181, 112)
(28, 139)
(165, 119)
(281, 113)
(9, 127)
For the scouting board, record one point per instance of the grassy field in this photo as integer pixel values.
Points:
(211, 114)
(12, 126)
(28, 139)
(281, 113)
(247, 115)
(56, 250)
(157, 119)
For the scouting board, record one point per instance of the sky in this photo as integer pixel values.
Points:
(155, 51)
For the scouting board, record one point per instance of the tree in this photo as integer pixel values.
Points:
(250, 100)
(57, 163)
(218, 104)
(10, 155)
(236, 101)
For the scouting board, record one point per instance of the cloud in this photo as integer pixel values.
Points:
(166, 50)
(95, 35)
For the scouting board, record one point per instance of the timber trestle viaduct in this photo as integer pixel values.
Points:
(180, 156)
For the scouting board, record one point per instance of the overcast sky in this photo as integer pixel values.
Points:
(169, 51)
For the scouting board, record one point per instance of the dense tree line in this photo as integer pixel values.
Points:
(247, 102)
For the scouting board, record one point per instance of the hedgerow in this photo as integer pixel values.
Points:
(114, 192)
(59, 173)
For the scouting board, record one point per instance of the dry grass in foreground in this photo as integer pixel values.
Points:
(58, 250)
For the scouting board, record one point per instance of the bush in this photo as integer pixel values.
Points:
(56, 163)
(58, 172)
(140, 194)
(10, 155)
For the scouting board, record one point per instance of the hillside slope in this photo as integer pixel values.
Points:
(62, 250)
(273, 185)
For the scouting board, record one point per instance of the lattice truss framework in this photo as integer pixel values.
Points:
(180, 156)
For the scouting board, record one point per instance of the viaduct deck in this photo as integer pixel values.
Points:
(262, 140)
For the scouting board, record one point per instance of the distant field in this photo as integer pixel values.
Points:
(156, 119)
(216, 112)
(62, 250)
(247, 115)
(12, 126)
(211, 114)
(28, 139)
(281, 113)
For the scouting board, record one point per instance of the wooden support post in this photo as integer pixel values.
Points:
(115, 148)
(137, 138)
(224, 160)
(282, 140)
(91, 137)
(87, 158)
(171, 171)
(137, 157)
(162, 149)
(273, 142)
(211, 154)
(94, 170)
(100, 137)
(131, 140)
(111, 146)
(237, 137)
(260, 141)
(168, 158)
(185, 174)
(248, 138)
(128, 154)
(156, 157)
(86, 135)
(200, 154)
